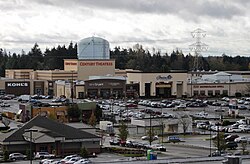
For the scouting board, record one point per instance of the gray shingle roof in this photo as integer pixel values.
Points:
(56, 129)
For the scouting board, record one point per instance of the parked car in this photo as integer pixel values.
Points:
(73, 160)
(82, 161)
(147, 137)
(242, 107)
(217, 153)
(219, 110)
(5, 105)
(46, 161)
(174, 139)
(159, 147)
(245, 128)
(114, 142)
(67, 158)
(234, 130)
(17, 156)
(42, 155)
(231, 137)
(241, 139)
(231, 145)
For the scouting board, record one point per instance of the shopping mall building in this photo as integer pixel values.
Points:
(93, 75)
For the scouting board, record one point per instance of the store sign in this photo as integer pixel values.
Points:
(70, 63)
(96, 63)
(163, 78)
(114, 84)
(12, 84)
(212, 86)
(95, 84)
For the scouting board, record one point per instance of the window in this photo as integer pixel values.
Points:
(217, 92)
(210, 93)
(225, 92)
(202, 93)
(196, 93)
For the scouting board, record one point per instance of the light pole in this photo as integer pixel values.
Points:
(210, 150)
(150, 130)
(72, 87)
(229, 86)
(191, 84)
(30, 131)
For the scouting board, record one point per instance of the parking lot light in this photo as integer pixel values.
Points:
(30, 130)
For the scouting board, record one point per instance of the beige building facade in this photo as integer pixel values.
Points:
(219, 89)
(219, 84)
(162, 85)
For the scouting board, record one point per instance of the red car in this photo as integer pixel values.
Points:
(131, 105)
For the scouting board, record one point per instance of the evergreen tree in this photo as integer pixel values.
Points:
(92, 119)
(123, 131)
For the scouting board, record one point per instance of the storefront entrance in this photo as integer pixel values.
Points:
(147, 90)
(92, 93)
(163, 90)
(105, 93)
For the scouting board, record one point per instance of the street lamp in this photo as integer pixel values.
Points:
(30, 130)
(150, 130)
(72, 86)
(229, 86)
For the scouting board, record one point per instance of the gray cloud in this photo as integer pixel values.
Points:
(215, 9)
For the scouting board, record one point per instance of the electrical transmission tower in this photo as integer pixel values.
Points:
(198, 47)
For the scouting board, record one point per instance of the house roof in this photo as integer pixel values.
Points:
(50, 128)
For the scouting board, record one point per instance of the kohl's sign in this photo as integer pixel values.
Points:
(17, 84)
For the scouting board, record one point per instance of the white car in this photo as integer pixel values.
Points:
(147, 137)
(42, 155)
(67, 158)
(46, 161)
(17, 156)
(245, 128)
(219, 110)
(241, 121)
(73, 160)
(234, 130)
(241, 139)
(82, 161)
(158, 147)
(181, 106)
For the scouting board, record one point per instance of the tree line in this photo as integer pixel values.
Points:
(131, 58)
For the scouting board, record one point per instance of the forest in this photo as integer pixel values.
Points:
(131, 58)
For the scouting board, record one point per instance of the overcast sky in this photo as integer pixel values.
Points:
(165, 25)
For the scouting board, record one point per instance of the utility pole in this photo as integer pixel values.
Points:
(210, 144)
(72, 87)
(31, 151)
(150, 130)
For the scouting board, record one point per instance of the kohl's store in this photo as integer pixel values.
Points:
(22, 87)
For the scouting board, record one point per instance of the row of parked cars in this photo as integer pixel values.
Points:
(136, 144)
(38, 155)
(47, 158)
(71, 159)
(239, 126)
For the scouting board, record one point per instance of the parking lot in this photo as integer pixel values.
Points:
(202, 111)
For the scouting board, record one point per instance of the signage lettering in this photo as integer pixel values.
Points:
(17, 84)
(70, 63)
(114, 84)
(212, 86)
(159, 77)
(95, 84)
(96, 63)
